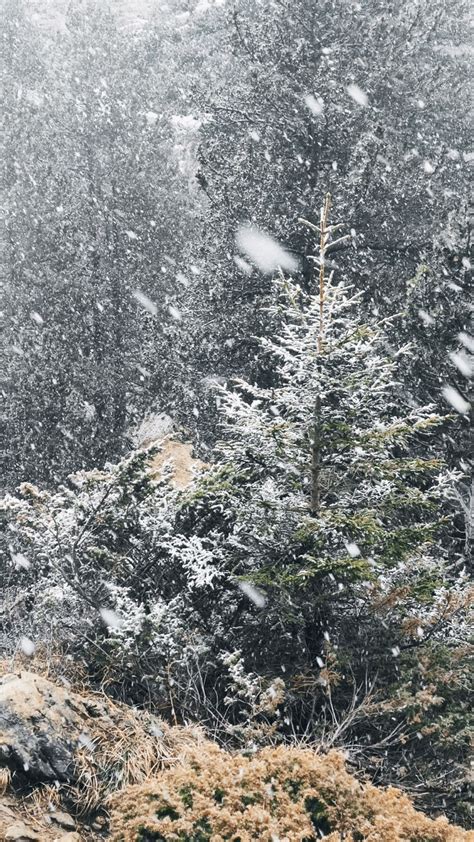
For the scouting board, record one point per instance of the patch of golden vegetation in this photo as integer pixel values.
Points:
(178, 457)
(284, 794)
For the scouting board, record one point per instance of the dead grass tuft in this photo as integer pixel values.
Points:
(50, 663)
(123, 748)
(5, 780)
(179, 457)
(40, 802)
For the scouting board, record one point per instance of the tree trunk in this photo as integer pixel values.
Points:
(316, 457)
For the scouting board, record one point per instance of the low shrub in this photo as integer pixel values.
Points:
(285, 794)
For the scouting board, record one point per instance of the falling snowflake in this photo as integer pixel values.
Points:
(86, 741)
(315, 104)
(357, 94)
(263, 250)
(452, 396)
(145, 302)
(256, 596)
(467, 340)
(27, 646)
(151, 117)
(462, 362)
(353, 550)
(89, 411)
(242, 264)
(175, 313)
(156, 731)
(20, 561)
(425, 317)
(111, 618)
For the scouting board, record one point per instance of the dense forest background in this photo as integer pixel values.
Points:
(137, 141)
(246, 224)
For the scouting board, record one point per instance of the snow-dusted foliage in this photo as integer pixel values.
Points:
(334, 428)
(137, 148)
(284, 554)
(111, 579)
(304, 586)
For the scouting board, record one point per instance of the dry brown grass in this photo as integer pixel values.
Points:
(50, 663)
(283, 794)
(125, 747)
(35, 806)
(5, 779)
(33, 817)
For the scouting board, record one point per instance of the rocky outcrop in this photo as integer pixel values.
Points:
(63, 752)
(41, 727)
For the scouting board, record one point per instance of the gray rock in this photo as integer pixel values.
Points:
(63, 819)
(69, 837)
(40, 725)
(19, 832)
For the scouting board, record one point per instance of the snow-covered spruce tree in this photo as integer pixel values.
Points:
(330, 447)
(332, 509)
